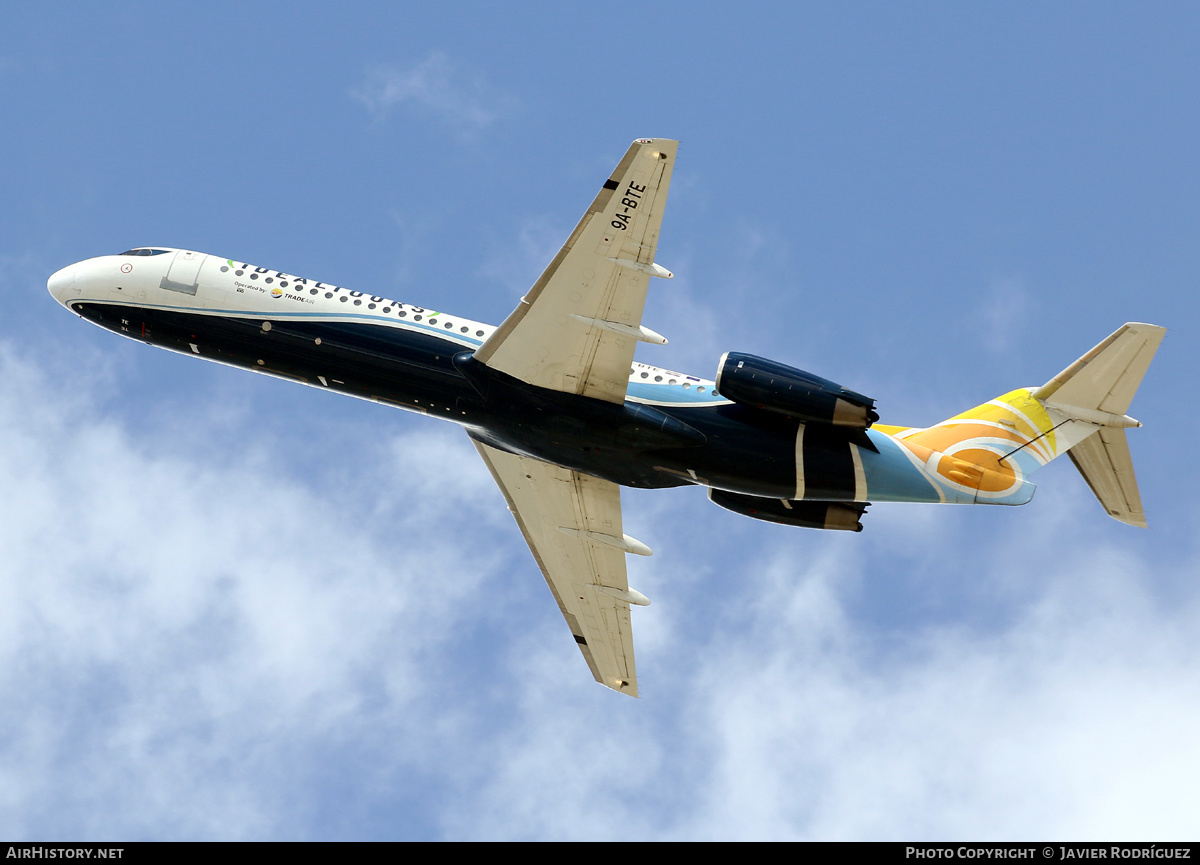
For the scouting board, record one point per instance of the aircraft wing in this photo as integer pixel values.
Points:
(572, 523)
(576, 329)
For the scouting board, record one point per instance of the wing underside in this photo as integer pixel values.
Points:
(572, 523)
(576, 329)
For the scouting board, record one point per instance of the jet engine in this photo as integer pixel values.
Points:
(840, 516)
(776, 387)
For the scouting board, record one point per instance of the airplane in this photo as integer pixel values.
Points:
(563, 416)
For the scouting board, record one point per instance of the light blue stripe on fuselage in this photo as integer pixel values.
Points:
(671, 394)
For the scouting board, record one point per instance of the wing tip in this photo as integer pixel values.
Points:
(667, 144)
(627, 687)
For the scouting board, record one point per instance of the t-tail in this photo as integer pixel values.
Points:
(1081, 412)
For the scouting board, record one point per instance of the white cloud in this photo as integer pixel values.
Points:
(179, 627)
(436, 86)
(196, 644)
(1061, 725)
(798, 720)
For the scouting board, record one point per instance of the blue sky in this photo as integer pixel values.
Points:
(232, 607)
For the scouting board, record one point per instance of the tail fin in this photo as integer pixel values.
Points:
(1091, 397)
(1081, 412)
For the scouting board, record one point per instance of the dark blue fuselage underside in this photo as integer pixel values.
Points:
(728, 446)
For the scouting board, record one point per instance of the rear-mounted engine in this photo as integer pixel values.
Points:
(776, 387)
(839, 516)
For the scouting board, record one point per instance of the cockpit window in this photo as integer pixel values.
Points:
(145, 251)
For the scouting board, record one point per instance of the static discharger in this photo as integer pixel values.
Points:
(629, 596)
(641, 332)
(624, 543)
(652, 269)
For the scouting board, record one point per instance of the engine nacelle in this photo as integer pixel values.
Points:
(839, 516)
(776, 387)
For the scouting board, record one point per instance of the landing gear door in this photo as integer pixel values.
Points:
(183, 275)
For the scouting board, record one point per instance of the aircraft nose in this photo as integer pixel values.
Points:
(61, 282)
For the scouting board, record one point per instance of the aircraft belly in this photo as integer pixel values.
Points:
(389, 365)
(827, 465)
(726, 446)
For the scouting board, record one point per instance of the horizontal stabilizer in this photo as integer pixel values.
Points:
(1103, 460)
(1107, 377)
(1088, 401)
